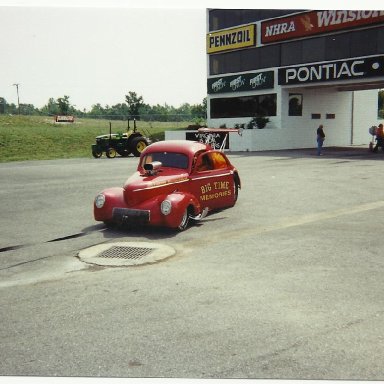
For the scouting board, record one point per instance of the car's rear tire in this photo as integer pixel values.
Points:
(236, 191)
(236, 187)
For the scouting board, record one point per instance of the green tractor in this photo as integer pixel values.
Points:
(120, 143)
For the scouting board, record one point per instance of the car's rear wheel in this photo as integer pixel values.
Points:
(236, 187)
(236, 191)
(184, 220)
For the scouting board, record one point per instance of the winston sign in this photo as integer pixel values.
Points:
(316, 22)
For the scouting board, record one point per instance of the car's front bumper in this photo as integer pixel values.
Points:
(130, 216)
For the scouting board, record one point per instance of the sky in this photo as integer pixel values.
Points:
(97, 51)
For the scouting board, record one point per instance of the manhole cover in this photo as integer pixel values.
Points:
(125, 254)
(119, 252)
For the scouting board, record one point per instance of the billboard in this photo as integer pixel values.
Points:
(240, 83)
(229, 39)
(316, 22)
(351, 69)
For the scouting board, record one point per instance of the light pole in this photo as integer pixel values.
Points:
(18, 99)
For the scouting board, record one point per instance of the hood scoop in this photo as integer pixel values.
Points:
(151, 169)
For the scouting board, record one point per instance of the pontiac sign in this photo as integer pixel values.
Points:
(229, 39)
(332, 71)
(316, 22)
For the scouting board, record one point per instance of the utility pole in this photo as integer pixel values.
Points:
(18, 99)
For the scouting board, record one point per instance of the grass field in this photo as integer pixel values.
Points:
(39, 138)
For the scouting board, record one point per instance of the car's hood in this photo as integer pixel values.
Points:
(141, 187)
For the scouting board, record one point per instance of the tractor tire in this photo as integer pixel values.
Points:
(138, 144)
(96, 154)
(124, 153)
(111, 153)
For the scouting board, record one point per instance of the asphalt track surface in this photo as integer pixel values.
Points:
(287, 284)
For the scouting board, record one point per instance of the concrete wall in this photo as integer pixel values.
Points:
(354, 113)
(365, 115)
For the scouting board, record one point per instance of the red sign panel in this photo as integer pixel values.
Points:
(316, 22)
(64, 119)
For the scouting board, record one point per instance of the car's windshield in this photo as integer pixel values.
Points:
(167, 159)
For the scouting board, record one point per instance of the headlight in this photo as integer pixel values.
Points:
(166, 207)
(99, 200)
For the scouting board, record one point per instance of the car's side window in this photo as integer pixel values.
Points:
(210, 161)
(218, 160)
(204, 163)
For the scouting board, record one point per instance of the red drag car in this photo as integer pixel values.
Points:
(175, 181)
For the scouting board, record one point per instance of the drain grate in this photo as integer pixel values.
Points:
(129, 253)
(125, 253)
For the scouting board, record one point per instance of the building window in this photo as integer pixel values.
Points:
(330, 116)
(295, 104)
(246, 106)
(244, 60)
(316, 115)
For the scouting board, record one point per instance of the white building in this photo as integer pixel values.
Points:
(300, 69)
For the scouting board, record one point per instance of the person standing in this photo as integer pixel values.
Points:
(320, 139)
(379, 138)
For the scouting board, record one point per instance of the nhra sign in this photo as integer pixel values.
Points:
(360, 68)
(240, 83)
(64, 119)
(316, 22)
(234, 38)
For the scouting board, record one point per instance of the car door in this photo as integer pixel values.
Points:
(212, 180)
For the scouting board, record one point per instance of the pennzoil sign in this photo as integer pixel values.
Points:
(316, 22)
(234, 38)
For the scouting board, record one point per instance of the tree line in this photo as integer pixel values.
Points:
(134, 107)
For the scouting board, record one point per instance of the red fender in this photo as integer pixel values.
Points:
(180, 202)
(114, 197)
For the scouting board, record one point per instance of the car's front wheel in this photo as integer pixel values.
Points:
(184, 220)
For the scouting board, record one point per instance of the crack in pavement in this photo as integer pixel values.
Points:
(63, 238)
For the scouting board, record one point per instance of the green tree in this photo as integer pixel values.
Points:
(118, 111)
(51, 108)
(199, 111)
(64, 105)
(134, 103)
(97, 111)
(3, 103)
(28, 109)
